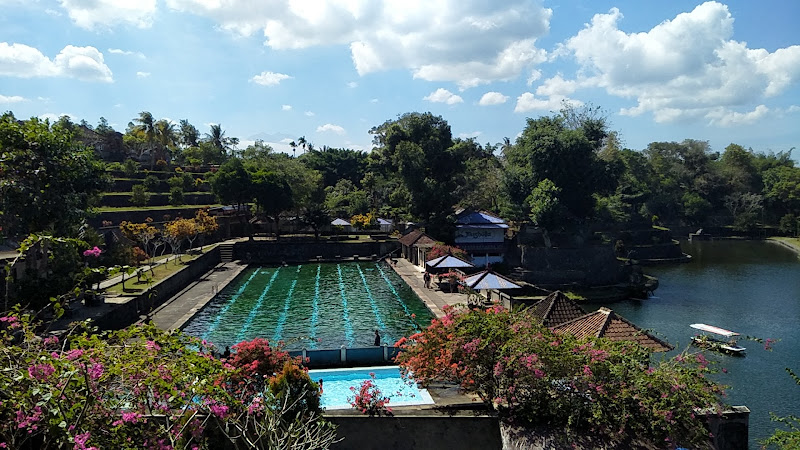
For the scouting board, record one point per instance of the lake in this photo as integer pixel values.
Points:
(750, 287)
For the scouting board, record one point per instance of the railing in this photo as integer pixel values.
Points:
(348, 357)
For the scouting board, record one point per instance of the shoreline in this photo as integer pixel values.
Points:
(789, 245)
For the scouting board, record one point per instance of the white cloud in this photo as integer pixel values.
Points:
(793, 109)
(492, 98)
(474, 134)
(374, 100)
(727, 118)
(529, 102)
(309, 113)
(91, 14)
(83, 63)
(469, 42)
(443, 96)
(269, 78)
(683, 69)
(286, 107)
(534, 76)
(117, 51)
(12, 99)
(54, 117)
(332, 128)
(286, 141)
(142, 74)
(352, 84)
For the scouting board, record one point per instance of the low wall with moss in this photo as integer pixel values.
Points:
(266, 252)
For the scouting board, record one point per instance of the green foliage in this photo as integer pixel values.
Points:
(580, 387)
(139, 195)
(46, 179)
(130, 167)
(545, 206)
(144, 388)
(151, 182)
(232, 182)
(176, 197)
(789, 225)
(786, 439)
(336, 164)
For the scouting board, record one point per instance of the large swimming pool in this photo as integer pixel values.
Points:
(319, 305)
(336, 392)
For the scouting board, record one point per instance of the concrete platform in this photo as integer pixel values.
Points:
(434, 298)
(178, 310)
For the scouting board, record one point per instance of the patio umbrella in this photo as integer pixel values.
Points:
(490, 280)
(448, 262)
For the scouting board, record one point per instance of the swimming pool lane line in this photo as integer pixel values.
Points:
(254, 310)
(372, 302)
(282, 318)
(315, 311)
(348, 326)
(397, 297)
(228, 305)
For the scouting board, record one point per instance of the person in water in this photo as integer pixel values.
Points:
(377, 338)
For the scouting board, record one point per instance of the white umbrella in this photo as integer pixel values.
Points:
(490, 280)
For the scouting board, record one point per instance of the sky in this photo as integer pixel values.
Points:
(330, 70)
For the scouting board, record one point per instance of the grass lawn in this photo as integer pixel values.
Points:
(150, 208)
(794, 242)
(160, 272)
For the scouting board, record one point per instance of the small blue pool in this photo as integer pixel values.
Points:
(336, 393)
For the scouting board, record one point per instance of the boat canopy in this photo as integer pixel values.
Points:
(713, 329)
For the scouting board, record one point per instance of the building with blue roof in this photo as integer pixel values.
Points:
(482, 235)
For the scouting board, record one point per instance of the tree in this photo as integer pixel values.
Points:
(146, 126)
(345, 200)
(204, 225)
(545, 206)
(166, 139)
(419, 149)
(232, 183)
(272, 194)
(188, 134)
(139, 195)
(176, 231)
(336, 164)
(46, 179)
(575, 387)
(549, 148)
(223, 144)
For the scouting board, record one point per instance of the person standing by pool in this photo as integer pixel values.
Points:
(377, 339)
(427, 278)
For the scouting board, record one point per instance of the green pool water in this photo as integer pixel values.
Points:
(313, 306)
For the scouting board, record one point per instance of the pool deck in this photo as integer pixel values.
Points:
(433, 298)
(174, 314)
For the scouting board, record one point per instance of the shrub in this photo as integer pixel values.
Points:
(130, 167)
(139, 195)
(581, 386)
(369, 399)
(176, 196)
(141, 388)
(151, 182)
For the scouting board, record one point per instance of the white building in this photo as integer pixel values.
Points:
(482, 236)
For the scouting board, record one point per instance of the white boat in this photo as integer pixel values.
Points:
(710, 338)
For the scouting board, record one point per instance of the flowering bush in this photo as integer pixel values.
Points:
(440, 249)
(93, 252)
(138, 388)
(369, 399)
(589, 386)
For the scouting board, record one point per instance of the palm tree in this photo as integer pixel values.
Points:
(166, 137)
(146, 125)
(302, 142)
(218, 139)
(293, 144)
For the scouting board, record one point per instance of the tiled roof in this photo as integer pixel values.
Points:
(416, 237)
(607, 324)
(556, 309)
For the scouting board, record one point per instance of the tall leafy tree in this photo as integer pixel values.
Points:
(188, 135)
(224, 144)
(46, 179)
(419, 149)
(272, 194)
(336, 164)
(232, 183)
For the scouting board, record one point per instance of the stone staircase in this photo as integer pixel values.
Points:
(226, 253)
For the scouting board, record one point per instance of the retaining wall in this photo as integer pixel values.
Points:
(127, 313)
(348, 357)
(268, 252)
(405, 432)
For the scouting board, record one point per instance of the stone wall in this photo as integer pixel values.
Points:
(593, 265)
(128, 313)
(270, 252)
(463, 432)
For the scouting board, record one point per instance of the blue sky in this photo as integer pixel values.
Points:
(331, 70)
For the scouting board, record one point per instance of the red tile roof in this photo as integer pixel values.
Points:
(607, 324)
(416, 237)
(556, 309)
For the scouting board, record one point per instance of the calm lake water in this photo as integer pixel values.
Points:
(745, 286)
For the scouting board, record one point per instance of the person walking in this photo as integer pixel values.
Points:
(377, 339)
(427, 278)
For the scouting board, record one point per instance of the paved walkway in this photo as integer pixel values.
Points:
(174, 314)
(434, 298)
